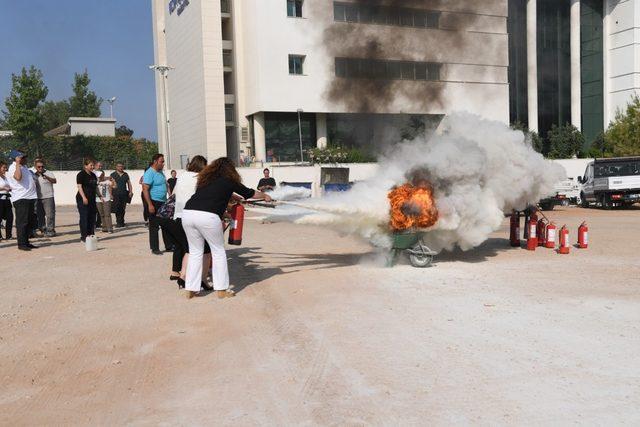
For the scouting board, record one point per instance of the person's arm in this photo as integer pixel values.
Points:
(52, 179)
(249, 193)
(130, 187)
(85, 201)
(147, 198)
(17, 174)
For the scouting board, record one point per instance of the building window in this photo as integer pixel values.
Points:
(385, 15)
(228, 113)
(389, 70)
(282, 135)
(294, 8)
(295, 64)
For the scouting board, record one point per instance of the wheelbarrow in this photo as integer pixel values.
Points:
(410, 241)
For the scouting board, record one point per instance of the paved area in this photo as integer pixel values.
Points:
(320, 335)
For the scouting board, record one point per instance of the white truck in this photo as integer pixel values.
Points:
(613, 182)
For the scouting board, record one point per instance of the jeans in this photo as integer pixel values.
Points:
(24, 219)
(46, 209)
(6, 214)
(155, 222)
(120, 207)
(87, 218)
(104, 210)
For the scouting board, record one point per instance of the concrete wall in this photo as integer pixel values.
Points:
(622, 54)
(93, 128)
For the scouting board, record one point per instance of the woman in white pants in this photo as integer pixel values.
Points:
(202, 221)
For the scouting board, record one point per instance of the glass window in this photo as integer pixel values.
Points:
(282, 138)
(433, 71)
(341, 67)
(295, 64)
(393, 16)
(421, 71)
(407, 71)
(406, 17)
(353, 68)
(366, 14)
(339, 12)
(228, 112)
(379, 70)
(351, 13)
(394, 70)
(294, 8)
(419, 18)
(380, 15)
(433, 19)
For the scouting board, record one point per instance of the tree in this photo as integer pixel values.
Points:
(23, 115)
(54, 114)
(124, 131)
(532, 137)
(623, 135)
(565, 141)
(84, 102)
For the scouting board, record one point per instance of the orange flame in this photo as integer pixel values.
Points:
(412, 206)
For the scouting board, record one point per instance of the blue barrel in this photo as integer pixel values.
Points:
(297, 184)
(337, 187)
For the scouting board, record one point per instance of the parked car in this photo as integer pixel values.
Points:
(609, 183)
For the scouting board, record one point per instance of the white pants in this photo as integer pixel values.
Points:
(200, 226)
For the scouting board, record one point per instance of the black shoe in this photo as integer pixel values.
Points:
(30, 246)
(171, 249)
(24, 248)
(157, 252)
(181, 284)
(206, 286)
(174, 277)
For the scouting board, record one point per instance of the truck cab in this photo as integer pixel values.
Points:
(613, 182)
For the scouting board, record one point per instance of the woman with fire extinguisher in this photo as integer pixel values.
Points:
(202, 221)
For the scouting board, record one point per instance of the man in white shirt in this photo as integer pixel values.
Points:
(24, 196)
(46, 206)
(99, 173)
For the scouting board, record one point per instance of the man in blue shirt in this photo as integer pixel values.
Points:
(154, 190)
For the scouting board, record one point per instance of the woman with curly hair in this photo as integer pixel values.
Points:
(202, 221)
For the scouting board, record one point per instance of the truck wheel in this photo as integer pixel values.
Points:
(604, 203)
(583, 201)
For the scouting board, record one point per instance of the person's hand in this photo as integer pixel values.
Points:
(85, 201)
(267, 198)
(19, 160)
(152, 209)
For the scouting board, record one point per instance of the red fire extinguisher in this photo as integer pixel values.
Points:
(542, 225)
(514, 234)
(237, 219)
(532, 241)
(583, 236)
(564, 240)
(551, 236)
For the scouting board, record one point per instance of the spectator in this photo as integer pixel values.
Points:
(24, 195)
(103, 203)
(171, 182)
(154, 187)
(86, 198)
(267, 183)
(6, 209)
(99, 173)
(46, 205)
(122, 193)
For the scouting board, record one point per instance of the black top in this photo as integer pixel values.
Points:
(121, 183)
(172, 183)
(215, 196)
(267, 181)
(89, 182)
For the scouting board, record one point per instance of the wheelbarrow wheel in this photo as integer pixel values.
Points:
(420, 256)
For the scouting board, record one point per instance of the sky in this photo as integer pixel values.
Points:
(112, 39)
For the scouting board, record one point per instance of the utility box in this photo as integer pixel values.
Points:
(334, 176)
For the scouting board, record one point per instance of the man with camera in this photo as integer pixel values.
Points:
(46, 205)
(24, 195)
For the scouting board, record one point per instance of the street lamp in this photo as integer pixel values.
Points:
(300, 134)
(111, 101)
(163, 70)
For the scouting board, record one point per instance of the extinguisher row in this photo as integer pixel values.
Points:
(540, 232)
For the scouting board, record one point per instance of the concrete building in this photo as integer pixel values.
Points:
(572, 61)
(88, 126)
(264, 77)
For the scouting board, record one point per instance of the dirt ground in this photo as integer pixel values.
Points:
(318, 335)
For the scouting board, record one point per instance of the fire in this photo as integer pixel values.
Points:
(412, 206)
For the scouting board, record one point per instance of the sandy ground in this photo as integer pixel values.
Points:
(318, 336)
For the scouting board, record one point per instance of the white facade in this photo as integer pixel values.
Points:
(92, 126)
(257, 38)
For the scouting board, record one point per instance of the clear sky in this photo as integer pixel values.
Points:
(112, 39)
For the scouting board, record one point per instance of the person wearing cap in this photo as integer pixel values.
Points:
(46, 205)
(24, 195)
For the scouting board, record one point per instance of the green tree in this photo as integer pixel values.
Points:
(532, 137)
(23, 115)
(84, 102)
(623, 135)
(124, 131)
(54, 114)
(565, 141)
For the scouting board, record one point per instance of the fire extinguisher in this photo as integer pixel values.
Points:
(551, 236)
(532, 241)
(564, 240)
(237, 219)
(583, 236)
(514, 234)
(541, 232)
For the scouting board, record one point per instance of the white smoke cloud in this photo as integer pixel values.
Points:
(288, 192)
(479, 169)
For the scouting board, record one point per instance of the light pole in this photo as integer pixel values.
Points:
(111, 101)
(163, 70)
(300, 134)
